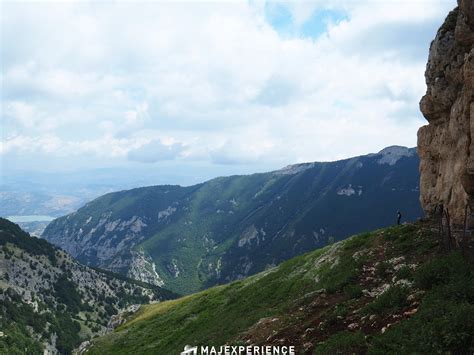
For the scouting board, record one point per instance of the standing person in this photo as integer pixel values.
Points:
(399, 217)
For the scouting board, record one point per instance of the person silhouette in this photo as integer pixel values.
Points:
(399, 217)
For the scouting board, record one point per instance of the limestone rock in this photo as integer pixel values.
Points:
(444, 145)
(121, 317)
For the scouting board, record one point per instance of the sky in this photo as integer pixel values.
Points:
(209, 88)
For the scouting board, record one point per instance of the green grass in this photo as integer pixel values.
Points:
(408, 239)
(17, 339)
(391, 300)
(332, 316)
(342, 273)
(343, 343)
(220, 315)
(214, 316)
(353, 290)
(444, 322)
(405, 273)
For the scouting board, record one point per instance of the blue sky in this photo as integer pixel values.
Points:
(315, 23)
(212, 88)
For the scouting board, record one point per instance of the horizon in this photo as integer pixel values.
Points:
(30, 197)
(114, 170)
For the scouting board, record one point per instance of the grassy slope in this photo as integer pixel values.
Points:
(326, 301)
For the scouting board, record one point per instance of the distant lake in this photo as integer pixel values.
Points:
(33, 218)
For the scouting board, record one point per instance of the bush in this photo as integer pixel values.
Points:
(339, 311)
(358, 242)
(67, 331)
(66, 293)
(381, 269)
(440, 271)
(391, 300)
(444, 322)
(353, 291)
(402, 238)
(336, 277)
(343, 343)
(440, 327)
(12, 233)
(404, 272)
(17, 339)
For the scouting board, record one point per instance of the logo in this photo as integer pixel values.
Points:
(239, 350)
(190, 350)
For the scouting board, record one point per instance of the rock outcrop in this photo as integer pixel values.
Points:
(445, 146)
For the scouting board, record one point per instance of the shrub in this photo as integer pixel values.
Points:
(339, 311)
(440, 271)
(405, 272)
(440, 327)
(343, 343)
(444, 322)
(353, 290)
(381, 269)
(66, 293)
(391, 300)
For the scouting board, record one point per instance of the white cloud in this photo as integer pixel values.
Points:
(21, 112)
(105, 146)
(155, 151)
(213, 82)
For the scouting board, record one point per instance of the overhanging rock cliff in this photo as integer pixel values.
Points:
(445, 145)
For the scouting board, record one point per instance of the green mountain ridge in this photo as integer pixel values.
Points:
(190, 238)
(389, 291)
(48, 301)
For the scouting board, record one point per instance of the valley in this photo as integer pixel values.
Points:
(372, 254)
(228, 228)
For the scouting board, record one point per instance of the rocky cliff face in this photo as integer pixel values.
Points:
(445, 146)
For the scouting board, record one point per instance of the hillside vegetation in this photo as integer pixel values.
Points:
(190, 238)
(50, 301)
(392, 290)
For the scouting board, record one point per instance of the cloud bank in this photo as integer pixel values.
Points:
(221, 83)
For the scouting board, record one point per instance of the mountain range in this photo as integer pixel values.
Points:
(190, 238)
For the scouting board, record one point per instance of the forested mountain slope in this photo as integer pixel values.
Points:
(49, 300)
(188, 238)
